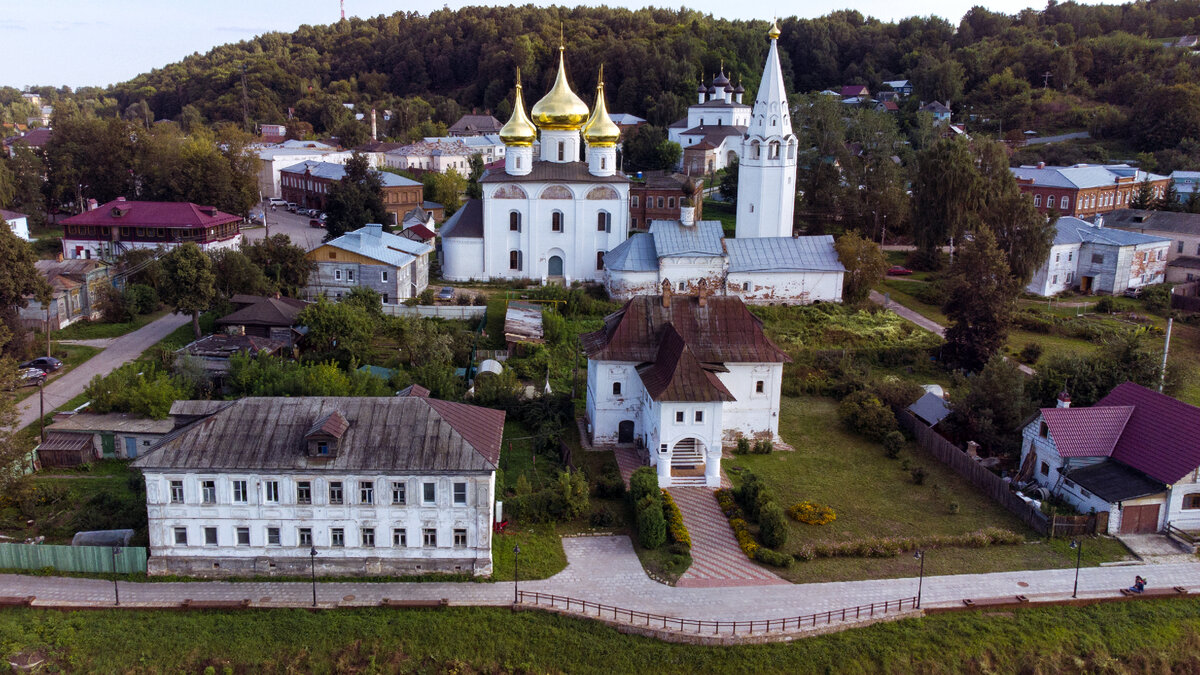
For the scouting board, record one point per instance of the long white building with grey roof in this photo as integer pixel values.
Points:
(1098, 259)
(759, 270)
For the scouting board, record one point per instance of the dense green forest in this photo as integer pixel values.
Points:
(1067, 66)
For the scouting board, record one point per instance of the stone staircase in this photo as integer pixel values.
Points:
(687, 465)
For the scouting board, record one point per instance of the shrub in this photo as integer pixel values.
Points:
(812, 513)
(426, 297)
(745, 540)
(743, 446)
(954, 508)
(1156, 298)
(763, 446)
(479, 300)
(651, 526)
(932, 293)
(142, 299)
(1031, 352)
(893, 443)
(727, 504)
(772, 529)
(747, 494)
(610, 485)
(918, 475)
(114, 306)
(1106, 305)
(643, 483)
(603, 516)
(674, 517)
(773, 558)
(863, 413)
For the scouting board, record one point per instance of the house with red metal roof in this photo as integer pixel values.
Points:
(1135, 455)
(111, 229)
(677, 376)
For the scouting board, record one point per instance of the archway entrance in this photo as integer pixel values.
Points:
(687, 458)
(625, 431)
(556, 266)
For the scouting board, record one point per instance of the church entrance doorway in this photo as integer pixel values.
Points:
(687, 458)
(625, 431)
(556, 266)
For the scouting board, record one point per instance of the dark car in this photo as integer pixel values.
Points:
(315, 223)
(447, 293)
(47, 364)
(898, 271)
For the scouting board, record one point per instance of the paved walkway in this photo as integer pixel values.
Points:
(717, 560)
(606, 570)
(101, 343)
(628, 461)
(123, 349)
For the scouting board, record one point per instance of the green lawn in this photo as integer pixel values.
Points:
(1139, 636)
(61, 502)
(70, 355)
(183, 336)
(875, 497)
(92, 330)
(723, 212)
(901, 291)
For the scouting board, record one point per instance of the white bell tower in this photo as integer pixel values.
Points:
(767, 168)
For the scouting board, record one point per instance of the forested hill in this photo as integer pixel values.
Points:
(1103, 58)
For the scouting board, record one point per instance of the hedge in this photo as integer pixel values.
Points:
(890, 547)
(675, 527)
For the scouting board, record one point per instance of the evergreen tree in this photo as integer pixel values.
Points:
(355, 200)
(1022, 233)
(992, 407)
(982, 295)
(1144, 199)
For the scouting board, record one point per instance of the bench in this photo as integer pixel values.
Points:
(1154, 592)
(216, 604)
(16, 600)
(995, 602)
(415, 604)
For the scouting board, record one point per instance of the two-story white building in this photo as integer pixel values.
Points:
(1099, 259)
(372, 486)
(680, 375)
(1134, 455)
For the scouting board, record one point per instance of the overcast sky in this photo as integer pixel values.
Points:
(101, 42)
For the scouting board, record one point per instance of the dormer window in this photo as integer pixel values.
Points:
(322, 447)
(324, 435)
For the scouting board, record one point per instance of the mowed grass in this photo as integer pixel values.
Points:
(93, 330)
(875, 497)
(1128, 637)
(70, 355)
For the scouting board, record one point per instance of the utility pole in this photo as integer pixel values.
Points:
(1162, 376)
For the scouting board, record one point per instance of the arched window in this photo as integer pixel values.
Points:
(562, 150)
(604, 222)
(514, 260)
(1037, 201)
(514, 221)
(556, 221)
(755, 151)
(616, 388)
(1064, 202)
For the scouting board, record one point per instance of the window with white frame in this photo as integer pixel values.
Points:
(273, 536)
(383, 276)
(304, 492)
(399, 494)
(208, 492)
(335, 492)
(349, 275)
(337, 537)
(271, 492)
(210, 536)
(368, 537)
(460, 494)
(429, 537)
(181, 536)
(337, 275)
(176, 492)
(304, 536)
(240, 495)
(243, 536)
(429, 493)
(366, 492)
(1037, 200)
(460, 538)
(399, 537)
(1064, 202)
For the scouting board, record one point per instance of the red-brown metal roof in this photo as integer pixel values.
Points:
(676, 375)
(1086, 432)
(153, 214)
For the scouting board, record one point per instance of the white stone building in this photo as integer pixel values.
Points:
(714, 127)
(1098, 259)
(1133, 455)
(383, 486)
(678, 376)
(18, 223)
(551, 218)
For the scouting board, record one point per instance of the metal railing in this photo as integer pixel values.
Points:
(703, 626)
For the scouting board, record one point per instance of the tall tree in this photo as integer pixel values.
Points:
(1144, 198)
(355, 200)
(1022, 233)
(189, 284)
(946, 194)
(992, 407)
(445, 188)
(236, 273)
(865, 266)
(19, 281)
(284, 263)
(729, 181)
(336, 331)
(876, 196)
(982, 295)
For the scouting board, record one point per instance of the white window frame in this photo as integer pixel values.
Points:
(428, 493)
(460, 493)
(399, 493)
(176, 492)
(366, 492)
(241, 492)
(399, 537)
(271, 492)
(429, 537)
(180, 536)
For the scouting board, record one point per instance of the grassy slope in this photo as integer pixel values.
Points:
(874, 497)
(91, 330)
(1142, 636)
(70, 355)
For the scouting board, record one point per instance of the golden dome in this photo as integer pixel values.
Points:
(600, 131)
(774, 33)
(518, 130)
(560, 109)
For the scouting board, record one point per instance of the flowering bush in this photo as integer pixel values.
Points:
(675, 527)
(812, 513)
(727, 503)
(746, 540)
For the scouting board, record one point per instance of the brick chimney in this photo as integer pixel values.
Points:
(702, 292)
(666, 293)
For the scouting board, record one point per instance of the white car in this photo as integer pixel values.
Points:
(276, 201)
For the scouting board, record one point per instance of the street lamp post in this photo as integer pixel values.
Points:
(919, 554)
(312, 555)
(516, 572)
(1078, 546)
(116, 588)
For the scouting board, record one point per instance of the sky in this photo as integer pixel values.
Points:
(101, 42)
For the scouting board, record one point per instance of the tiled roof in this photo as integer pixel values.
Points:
(854, 90)
(1114, 482)
(334, 171)
(673, 239)
(152, 214)
(34, 138)
(466, 222)
(420, 232)
(1162, 437)
(1071, 230)
(676, 375)
(414, 390)
(393, 433)
(1086, 432)
(1157, 221)
(635, 254)
(783, 254)
(721, 331)
(371, 241)
(561, 172)
(333, 424)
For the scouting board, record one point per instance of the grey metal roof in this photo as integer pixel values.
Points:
(466, 222)
(1081, 176)
(1138, 220)
(371, 241)
(930, 408)
(783, 254)
(338, 171)
(635, 254)
(672, 239)
(1071, 230)
(385, 434)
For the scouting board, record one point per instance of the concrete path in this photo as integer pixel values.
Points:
(123, 349)
(717, 560)
(101, 343)
(606, 570)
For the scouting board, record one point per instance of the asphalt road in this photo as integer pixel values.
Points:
(295, 227)
(123, 349)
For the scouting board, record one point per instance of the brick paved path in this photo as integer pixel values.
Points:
(717, 560)
(627, 460)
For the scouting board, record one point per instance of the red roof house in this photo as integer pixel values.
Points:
(110, 229)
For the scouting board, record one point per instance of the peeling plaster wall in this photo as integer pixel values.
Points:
(753, 412)
(766, 288)
(622, 285)
(606, 409)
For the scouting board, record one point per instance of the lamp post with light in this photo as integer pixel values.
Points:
(1078, 546)
(116, 589)
(919, 554)
(312, 555)
(516, 572)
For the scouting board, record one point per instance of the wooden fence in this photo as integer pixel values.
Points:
(95, 559)
(964, 465)
(461, 312)
(1073, 526)
(1186, 297)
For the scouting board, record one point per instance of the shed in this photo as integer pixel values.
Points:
(66, 449)
(523, 323)
(930, 409)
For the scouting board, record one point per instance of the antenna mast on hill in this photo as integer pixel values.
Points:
(342, 5)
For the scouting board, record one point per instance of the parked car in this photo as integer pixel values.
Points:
(447, 293)
(276, 201)
(31, 377)
(898, 271)
(291, 206)
(315, 223)
(321, 217)
(46, 364)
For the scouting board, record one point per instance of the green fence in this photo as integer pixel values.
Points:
(130, 560)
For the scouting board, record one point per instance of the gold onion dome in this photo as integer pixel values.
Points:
(519, 130)
(774, 33)
(560, 109)
(600, 130)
